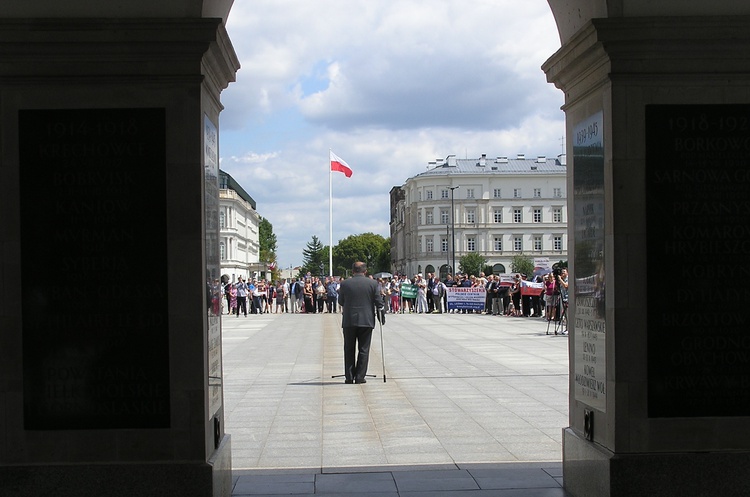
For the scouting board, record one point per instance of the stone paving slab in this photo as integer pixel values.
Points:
(469, 403)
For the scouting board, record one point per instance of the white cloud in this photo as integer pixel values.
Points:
(388, 86)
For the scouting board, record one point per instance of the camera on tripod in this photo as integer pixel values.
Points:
(556, 271)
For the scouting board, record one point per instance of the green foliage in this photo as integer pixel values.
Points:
(487, 270)
(372, 249)
(314, 258)
(522, 264)
(472, 263)
(267, 245)
(266, 236)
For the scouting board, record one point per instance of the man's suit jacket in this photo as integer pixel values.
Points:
(359, 297)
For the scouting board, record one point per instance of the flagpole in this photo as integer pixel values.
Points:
(330, 216)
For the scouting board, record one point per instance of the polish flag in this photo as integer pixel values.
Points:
(339, 164)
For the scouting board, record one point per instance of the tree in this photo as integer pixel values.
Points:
(267, 247)
(266, 236)
(522, 264)
(472, 263)
(372, 249)
(314, 258)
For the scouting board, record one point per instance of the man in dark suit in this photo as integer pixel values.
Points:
(360, 299)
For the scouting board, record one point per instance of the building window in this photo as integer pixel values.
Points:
(557, 214)
(429, 245)
(419, 217)
(517, 217)
(222, 251)
(496, 193)
(557, 192)
(429, 217)
(471, 244)
(419, 243)
(537, 193)
(537, 215)
(557, 242)
(429, 194)
(498, 244)
(469, 193)
(443, 193)
(420, 195)
(517, 243)
(444, 244)
(497, 215)
(443, 217)
(516, 193)
(538, 243)
(471, 216)
(222, 220)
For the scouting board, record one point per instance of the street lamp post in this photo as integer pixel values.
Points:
(453, 230)
(447, 251)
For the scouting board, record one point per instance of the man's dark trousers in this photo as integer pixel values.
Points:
(356, 339)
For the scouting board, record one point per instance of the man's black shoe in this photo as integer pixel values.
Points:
(360, 381)
(348, 382)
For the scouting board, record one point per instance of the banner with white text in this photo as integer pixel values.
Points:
(466, 298)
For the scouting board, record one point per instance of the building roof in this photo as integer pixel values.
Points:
(496, 165)
(226, 182)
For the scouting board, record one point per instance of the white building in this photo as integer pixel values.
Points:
(239, 235)
(502, 207)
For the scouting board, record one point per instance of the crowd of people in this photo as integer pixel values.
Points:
(310, 295)
(513, 296)
(503, 298)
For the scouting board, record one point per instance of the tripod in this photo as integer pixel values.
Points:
(561, 316)
(561, 325)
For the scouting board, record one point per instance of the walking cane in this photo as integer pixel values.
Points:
(382, 349)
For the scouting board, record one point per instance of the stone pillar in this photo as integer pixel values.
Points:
(110, 337)
(658, 126)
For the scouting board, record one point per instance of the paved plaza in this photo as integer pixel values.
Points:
(472, 405)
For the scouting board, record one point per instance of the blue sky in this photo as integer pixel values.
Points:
(388, 86)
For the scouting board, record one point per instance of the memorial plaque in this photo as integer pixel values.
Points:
(589, 290)
(698, 229)
(94, 287)
(213, 284)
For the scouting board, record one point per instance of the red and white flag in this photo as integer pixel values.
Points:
(339, 164)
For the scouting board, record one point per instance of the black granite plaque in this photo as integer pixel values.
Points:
(698, 229)
(94, 259)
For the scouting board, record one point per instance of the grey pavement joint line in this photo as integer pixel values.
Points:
(472, 387)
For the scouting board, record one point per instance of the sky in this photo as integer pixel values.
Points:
(388, 86)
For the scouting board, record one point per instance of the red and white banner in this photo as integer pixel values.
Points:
(339, 164)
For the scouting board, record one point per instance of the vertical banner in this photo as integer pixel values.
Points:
(213, 283)
(588, 219)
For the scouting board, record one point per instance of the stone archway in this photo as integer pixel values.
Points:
(618, 58)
